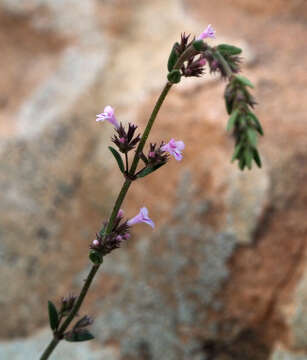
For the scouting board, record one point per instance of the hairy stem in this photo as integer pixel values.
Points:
(150, 123)
(72, 314)
(224, 63)
(120, 198)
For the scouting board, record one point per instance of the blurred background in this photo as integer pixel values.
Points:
(224, 274)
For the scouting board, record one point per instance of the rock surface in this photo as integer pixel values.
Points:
(22, 349)
(224, 274)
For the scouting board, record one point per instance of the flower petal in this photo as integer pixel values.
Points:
(144, 211)
(149, 222)
(180, 145)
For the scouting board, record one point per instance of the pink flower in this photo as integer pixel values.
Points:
(108, 114)
(120, 213)
(208, 33)
(174, 148)
(95, 242)
(202, 62)
(142, 216)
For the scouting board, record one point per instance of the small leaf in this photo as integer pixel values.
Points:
(229, 97)
(80, 335)
(248, 156)
(199, 45)
(229, 49)
(148, 170)
(95, 257)
(243, 80)
(232, 119)
(242, 163)
(252, 137)
(257, 157)
(172, 58)
(174, 76)
(53, 316)
(118, 158)
(236, 153)
(102, 231)
(255, 120)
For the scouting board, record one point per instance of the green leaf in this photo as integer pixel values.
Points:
(229, 97)
(199, 45)
(118, 158)
(257, 157)
(148, 170)
(172, 58)
(53, 316)
(252, 137)
(248, 156)
(232, 120)
(236, 153)
(77, 336)
(95, 257)
(241, 163)
(256, 122)
(174, 76)
(102, 231)
(243, 80)
(229, 49)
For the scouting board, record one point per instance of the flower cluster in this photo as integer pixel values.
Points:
(191, 61)
(67, 304)
(79, 331)
(105, 243)
(156, 155)
(125, 140)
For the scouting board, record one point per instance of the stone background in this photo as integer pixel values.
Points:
(224, 275)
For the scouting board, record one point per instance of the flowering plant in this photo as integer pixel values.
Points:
(188, 58)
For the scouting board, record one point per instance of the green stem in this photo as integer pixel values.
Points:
(54, 342)
(126, 158)
(150, 123)
(224, 63)
(117, 205)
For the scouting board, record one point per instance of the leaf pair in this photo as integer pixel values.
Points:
(72, 336)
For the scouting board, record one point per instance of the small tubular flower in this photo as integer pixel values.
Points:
(108, 114)
(142, 216)
(209, 32)
(174, 148)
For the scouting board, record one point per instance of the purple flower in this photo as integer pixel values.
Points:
(202, 62)
(208, 33)
(95, 242)
(174, 148)
(108, 114)
(120, 213)
(142, 216)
